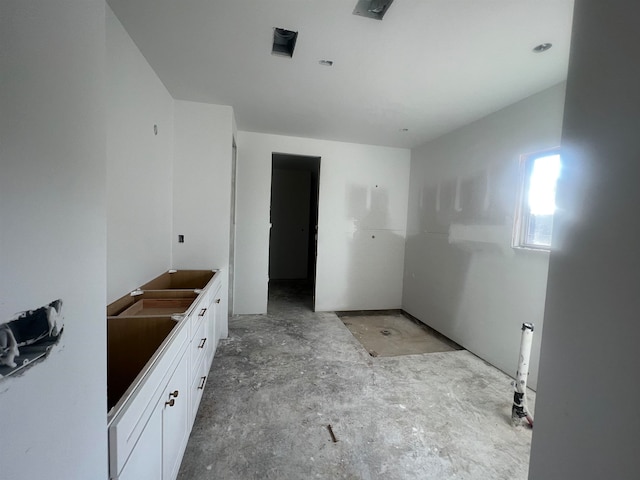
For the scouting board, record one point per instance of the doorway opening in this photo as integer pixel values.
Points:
(295, 182)
(232, 224)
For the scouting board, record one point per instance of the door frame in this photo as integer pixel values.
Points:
(314, 212)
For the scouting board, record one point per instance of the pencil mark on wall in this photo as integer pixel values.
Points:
(29, 336)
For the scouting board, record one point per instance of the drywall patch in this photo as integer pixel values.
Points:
(29, 336)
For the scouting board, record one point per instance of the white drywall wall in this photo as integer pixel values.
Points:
(363, 194)
(202, 187)
(53, 233)
(586, 410)
(461, 275)
(139, 166)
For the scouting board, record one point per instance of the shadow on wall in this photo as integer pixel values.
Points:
(375, 250)
(458, 217)
(462, 277)
(435, 273)
(472, 200)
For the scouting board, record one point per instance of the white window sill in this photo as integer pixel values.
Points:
(546, 250)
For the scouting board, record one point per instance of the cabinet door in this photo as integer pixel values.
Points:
(175, 419)
(145, 461)
(197, 387)
(214, 316)
(128, 425)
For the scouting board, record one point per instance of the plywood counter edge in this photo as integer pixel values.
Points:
(129, 394)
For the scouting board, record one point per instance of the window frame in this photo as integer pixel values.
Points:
(523, 213)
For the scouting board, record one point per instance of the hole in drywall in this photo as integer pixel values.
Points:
(543, 47)
(284, 42)
(29, 336)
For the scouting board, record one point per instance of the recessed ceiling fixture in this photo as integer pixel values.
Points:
(284, 41)
(326, 63)
(372, 8)
(543, 47)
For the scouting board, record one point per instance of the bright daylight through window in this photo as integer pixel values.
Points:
(534, 218)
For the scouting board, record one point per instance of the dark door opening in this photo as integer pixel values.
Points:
(294, 225)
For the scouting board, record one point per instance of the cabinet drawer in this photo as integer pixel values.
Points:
(200, 377)
(215, 317)
(198, 315)
(129, 423)
(200, 343)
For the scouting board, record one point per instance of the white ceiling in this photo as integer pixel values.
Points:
(430, 66)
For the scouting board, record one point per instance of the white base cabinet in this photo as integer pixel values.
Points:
(176, 421)
(145, 461)
(217, 320)
(149, 426)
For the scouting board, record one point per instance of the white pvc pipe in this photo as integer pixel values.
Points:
(519, 410)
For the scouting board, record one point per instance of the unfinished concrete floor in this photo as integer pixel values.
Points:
(280, 379)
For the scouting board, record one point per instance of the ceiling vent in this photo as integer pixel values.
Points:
(372, 8)
(284, 41)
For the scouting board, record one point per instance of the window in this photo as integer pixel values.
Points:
(537, 204)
